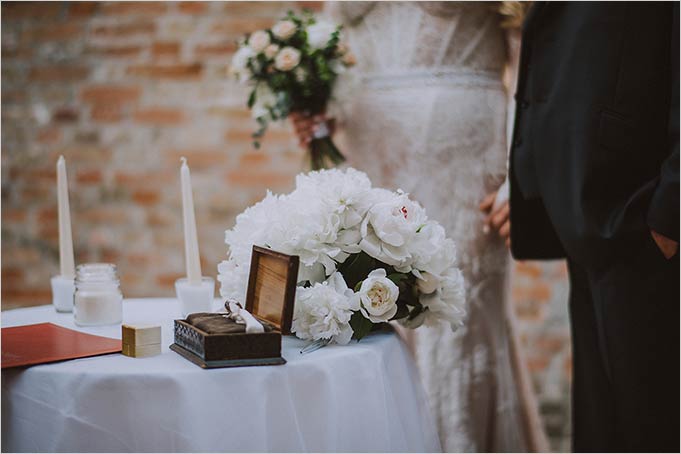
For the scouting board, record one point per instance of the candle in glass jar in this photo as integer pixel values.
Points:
(66, 261)
(191, 242)
(98, 299)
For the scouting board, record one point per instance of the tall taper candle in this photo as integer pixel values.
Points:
(191, 242)
(66, 263)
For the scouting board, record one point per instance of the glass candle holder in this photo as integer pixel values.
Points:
(98, 299)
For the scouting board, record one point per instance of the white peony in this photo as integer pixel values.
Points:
(448, 302)
(323, 311)
(271, 50)
(319, 33)
(378, 296)
(389, 226)
(284, 29)
(287, 59)
(259, 40)
(265, 99)
(431, 250)
(426, 282)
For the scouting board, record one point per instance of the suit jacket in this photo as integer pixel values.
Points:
(595, 156)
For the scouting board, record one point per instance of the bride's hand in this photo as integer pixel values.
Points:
(304, 126)
(498, 216)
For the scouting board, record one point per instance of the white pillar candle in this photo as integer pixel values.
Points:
(191, 242)
(66, 262)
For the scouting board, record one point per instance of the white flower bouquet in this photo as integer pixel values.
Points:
(292, 67)
(367, 256)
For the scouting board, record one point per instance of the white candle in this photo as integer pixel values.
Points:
(66, 262)
(191, 242)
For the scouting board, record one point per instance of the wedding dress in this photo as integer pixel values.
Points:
(428, 115)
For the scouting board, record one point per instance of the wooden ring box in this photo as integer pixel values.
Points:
(270, 298)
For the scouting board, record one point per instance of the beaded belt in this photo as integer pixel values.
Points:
(440, 76)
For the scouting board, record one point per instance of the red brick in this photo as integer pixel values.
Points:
(65, 115)
(312, 6)
(83, 9)
(529, 269)
(168, 279)
(192, 7)
(25, 297)
(125, 29)
(165, 49)
(58, 73)
(134, 8)
(537, 364)
(264, 179)
(105, 215)
(221, 50)
(144, 179)
(146, 197)
(254, 158)
(236, 28)
(160, 116)
(13, 215)
(46, 175)
(106, 113)
(270, 10)
(89, 176)
(10, 275)
(110, 94)
(30, 10)
(126, 51)
(198, 158)
(48, 135)
(57, 31)
(180, 71)
(538, 291)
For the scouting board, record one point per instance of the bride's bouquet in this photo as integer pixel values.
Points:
(367, 256)
(292, 67)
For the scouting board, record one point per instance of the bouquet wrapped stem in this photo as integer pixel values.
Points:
(322, 149)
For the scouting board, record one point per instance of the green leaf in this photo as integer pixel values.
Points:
(360, 326)
(397, 277)
(251, 99)
(356, 268)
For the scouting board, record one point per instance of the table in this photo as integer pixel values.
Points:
(362, 397)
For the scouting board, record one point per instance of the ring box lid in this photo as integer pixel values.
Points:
(272, 287)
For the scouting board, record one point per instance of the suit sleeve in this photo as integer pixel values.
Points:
(663, 213)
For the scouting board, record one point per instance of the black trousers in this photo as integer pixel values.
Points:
(625, 338)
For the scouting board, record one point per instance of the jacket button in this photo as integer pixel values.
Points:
(518, 142)
(524, 104)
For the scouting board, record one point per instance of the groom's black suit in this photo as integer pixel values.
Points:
(594, 168)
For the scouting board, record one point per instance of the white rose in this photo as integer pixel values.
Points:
(287, 59)
(319, 33)
(239, 66)
(271, 50)
(284, 29)
(378, 296)
(259, 40)
(323, 311)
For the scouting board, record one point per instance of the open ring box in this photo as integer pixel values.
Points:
(270, 299)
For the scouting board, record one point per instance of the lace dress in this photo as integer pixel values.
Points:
(428, 115)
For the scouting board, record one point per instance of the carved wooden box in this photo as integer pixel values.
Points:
(270, 298)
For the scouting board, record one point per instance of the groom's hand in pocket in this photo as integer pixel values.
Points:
(498, 218)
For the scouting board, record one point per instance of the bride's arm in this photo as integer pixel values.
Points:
(496, 204)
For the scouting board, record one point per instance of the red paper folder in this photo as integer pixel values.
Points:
(46, 343)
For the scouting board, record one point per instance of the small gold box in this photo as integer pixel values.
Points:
(141, 341)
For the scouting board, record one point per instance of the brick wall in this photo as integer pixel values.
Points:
(123, 90)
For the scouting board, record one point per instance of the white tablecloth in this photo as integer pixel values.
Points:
(361, 397)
